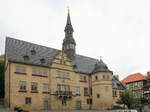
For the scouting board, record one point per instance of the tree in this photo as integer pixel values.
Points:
(1, 79)
(127, 98)
(144, 101)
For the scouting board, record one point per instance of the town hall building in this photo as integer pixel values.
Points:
(39, 77)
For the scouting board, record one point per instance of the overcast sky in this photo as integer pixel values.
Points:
(117, 30)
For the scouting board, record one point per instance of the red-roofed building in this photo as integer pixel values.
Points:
(134, 82)
(146, 87)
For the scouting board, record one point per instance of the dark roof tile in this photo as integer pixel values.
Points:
(16, 49)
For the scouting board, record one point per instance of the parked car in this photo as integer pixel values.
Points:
(126, 110)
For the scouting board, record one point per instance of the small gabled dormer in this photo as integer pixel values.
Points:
(42, 60)
(26, 56)
(33, 51)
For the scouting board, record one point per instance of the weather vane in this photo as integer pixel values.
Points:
(100, 57)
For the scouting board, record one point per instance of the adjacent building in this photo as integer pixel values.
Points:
(146, 87)
(135, 82)
(118, 88)
(39, 77)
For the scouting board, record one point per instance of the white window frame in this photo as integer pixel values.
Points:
(22, 83)
(77, 90)
(20, 69)
(45, 87)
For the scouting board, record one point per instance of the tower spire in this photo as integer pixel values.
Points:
(68, 17)
(69, 42)
(68, 23)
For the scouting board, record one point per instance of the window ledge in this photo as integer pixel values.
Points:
(45, 92)
(34, 91)
(78, 94)
(82, 81)
(24, 91)
(39, 75)
(20, 73)
(63, 78)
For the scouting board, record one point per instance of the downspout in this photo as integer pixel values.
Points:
(90, 90)
(9, 83)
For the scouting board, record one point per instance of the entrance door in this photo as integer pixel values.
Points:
(45, 103)
(78, 104)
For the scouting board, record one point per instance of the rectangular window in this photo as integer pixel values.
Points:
(64, 102)
(86, 92)
(64, 75)
(45, 104)
(34, 86)
(20, 69)
(114, 93)
(45, 87)
(82, 78)
(89, 101)
(77, 90)
(22, 86)
(63, 87)
(120, 93)
(107, 77)
(34, 71)
(27, 100)
(40, 72)
(45, 72)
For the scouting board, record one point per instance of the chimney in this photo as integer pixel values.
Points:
(148, 74)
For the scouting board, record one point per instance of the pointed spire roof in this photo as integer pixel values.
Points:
(68, 32)
(68, 18)
(69, 40)
(68, 23)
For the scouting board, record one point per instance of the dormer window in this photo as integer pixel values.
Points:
(42, 60)
(33, 51)
(26, 57)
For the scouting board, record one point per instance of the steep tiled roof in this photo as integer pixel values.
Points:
(133, 78)
(16, 49)
(116, 84)
(100, 66)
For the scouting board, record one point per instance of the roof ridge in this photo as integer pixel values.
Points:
(131, 78)
(7, 37)
(136, 73)
(87, 57)
(31, 43)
